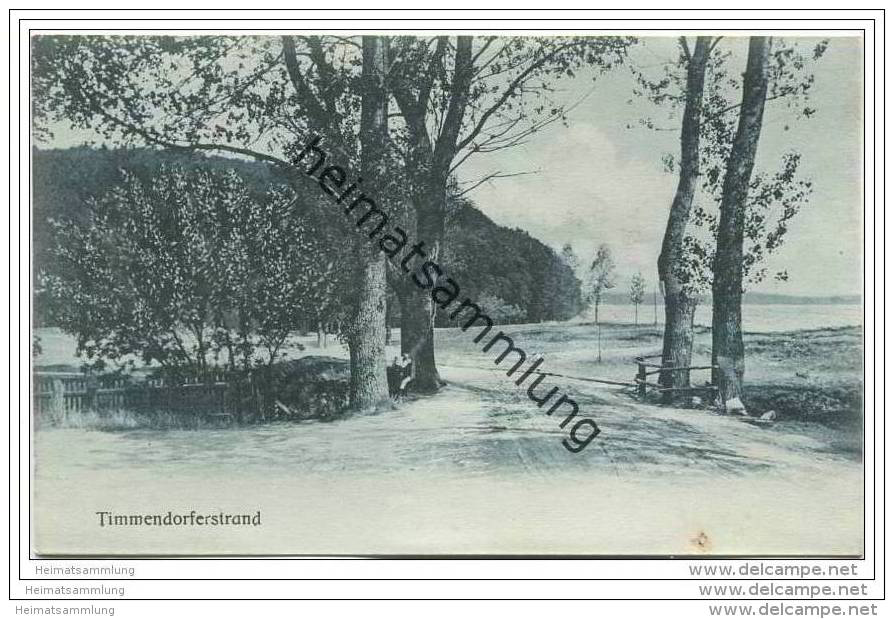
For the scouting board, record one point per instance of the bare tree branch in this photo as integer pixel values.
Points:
(429, 79)
(490, 177)
(325, 73)
(519, 79)
(301, 87)
(153, 138)
(446, 144)
(487, 43)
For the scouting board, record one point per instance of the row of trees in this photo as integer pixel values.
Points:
(725, 218)
(599, 276)
(404, 112)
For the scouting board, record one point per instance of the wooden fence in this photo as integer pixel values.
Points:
(59, 394)
(646, 368)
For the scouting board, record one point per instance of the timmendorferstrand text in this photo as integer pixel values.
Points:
(171, 519)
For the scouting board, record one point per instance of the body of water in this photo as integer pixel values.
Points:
(755, 318)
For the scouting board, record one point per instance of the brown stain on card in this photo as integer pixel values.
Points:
(702, 542)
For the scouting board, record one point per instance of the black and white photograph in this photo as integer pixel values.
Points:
(427, 293)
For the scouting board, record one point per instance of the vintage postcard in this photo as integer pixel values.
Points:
(447, 293)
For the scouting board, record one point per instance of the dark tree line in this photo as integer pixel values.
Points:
(520, 270)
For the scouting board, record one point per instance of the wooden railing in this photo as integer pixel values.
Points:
(58, 394)
(645, 369)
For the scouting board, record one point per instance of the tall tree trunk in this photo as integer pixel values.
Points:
(417, 339)
(679, 311)
(366, 341)
(366, 337)
(596, 312)
(388, 320)
(679, 304)
(728, 346)
(417, 308)
(429, 160)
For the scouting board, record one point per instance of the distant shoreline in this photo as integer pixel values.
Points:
(756, 298)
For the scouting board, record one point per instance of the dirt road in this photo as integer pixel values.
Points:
(476, 469)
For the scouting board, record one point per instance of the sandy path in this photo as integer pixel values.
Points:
(476, 469)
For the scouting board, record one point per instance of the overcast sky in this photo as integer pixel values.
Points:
(601, 182)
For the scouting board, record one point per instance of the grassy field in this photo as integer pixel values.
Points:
(809, 375)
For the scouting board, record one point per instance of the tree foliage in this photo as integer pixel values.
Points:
(521, 270)
(471, 96)
(637, 293)
(600, 275)
(188, 271)
(569, 257)
(777, 191)
(637, 288)
(261, 96)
